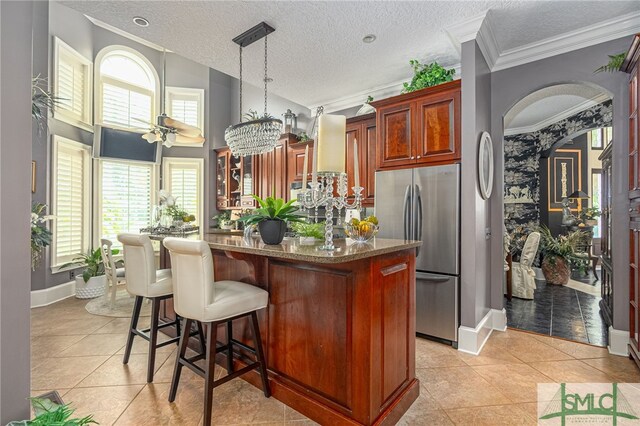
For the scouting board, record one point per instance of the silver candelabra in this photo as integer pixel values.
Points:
(321, 194)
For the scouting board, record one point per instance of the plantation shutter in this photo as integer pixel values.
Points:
(71, 84)
(182, 177)
(126, 190)
(125, 105)
(185, 110)
(71, 202)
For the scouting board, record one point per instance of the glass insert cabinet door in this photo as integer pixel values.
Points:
(247, 200)
(221, 180)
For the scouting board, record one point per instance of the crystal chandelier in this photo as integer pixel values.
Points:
(258, 134)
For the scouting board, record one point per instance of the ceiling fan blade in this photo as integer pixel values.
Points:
(183, 128)
(180, 138)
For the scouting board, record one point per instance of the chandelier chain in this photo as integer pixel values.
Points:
(265, 75)
(240, 83)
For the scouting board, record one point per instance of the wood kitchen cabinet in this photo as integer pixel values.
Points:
(631, 65)
(362, 129)
(295, 161)
(419, 128)
(272, 170)
(235, 180)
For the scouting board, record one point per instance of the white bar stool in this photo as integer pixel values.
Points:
(197, 297)
(143, 280)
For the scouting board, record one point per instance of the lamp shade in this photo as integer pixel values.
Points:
(579, 195)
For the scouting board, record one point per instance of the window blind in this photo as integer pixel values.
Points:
(71, 207)
(185, 110)
(71, 84)
(182, 177)
(125, 204)
(125, 107)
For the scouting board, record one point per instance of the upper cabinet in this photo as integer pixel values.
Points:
(419, 128)
(234, 180)
(362, 129)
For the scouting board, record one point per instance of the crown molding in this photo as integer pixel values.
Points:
(357, 99)
(591, 35)
(557, 117)
(125, 34)
(487, 42)
(465, 30)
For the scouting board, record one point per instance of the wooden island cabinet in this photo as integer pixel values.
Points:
(419, 128)
(339, 329)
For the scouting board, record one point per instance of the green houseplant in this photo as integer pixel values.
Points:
(309, 232)
(590, 216)
(92, 282)
(272, 217)
(427, 75)
(223, 220)
(40, 234)
(48, 413)
(559, 253)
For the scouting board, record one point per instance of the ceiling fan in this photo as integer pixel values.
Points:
(167, 130)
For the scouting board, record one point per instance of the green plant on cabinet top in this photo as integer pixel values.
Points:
(427, 75)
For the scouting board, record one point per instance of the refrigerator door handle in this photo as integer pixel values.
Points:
(405, 213)
(418, 216)
(432, 277)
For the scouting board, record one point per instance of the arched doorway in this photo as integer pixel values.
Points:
(552, 187)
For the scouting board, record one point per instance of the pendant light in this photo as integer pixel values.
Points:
(259, 134)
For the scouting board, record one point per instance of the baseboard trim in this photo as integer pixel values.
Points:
(618, 342)
(472, 340)
(499, 318)
(51, 295)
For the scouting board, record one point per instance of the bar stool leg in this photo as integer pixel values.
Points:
(153, 338)
(260, 354)
(209, 370)
(203, 346)
(177, 323)
(184, 342)
(137, 305)
(229, 347)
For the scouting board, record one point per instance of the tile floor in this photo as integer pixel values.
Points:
(559, 311)
(80, 355)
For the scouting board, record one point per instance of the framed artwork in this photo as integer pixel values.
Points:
(564, 177)
(485, 165)
(33, 177)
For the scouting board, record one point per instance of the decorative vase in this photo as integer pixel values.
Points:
(307, 241)
(556, 270)
(272, 231)
(95, 287)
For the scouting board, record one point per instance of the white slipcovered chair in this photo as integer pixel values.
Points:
(114, 274)
(523, 276)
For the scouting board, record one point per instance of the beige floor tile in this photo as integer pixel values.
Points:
(575, 349)
(104, 403)
(427, 418)
(490, 355)
(518, 382)
(292, 416)
(151, 406)
(96, 344)
(496, 415)
(114, 373)
(530, 409)
(620, 368)
(525, 347)
(431, 354)
(121, 325)
(141, 346)
(55, 373)
(64, 326)
(572, 371)
(238, 402)
(456, 387)
(51, 346)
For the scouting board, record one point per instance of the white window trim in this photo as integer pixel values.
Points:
(97, 186)
(168, 162)
(85, 122)
(98, 80)
(87, 199)
(190, 93)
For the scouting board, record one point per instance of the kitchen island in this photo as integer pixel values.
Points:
(339, 330)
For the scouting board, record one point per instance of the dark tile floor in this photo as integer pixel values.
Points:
(559, 311)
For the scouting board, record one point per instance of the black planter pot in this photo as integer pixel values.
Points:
(272, 230)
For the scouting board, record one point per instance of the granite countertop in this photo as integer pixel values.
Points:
(346, 250)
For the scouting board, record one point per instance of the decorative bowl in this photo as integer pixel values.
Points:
(361, 233)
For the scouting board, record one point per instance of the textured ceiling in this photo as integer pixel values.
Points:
(551, 102)
(317, 55)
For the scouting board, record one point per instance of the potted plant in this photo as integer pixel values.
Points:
(309, 233)
(92, 283)
(590, 216)
(427, 75)
(40, 235)
(48, 413)
(272, 217)
(223, 220)
(558, 253)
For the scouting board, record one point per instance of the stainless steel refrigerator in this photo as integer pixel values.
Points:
(424, 204)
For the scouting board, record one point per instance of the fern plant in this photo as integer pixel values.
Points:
(304, 229)
(427, 75)
(42, 100)
(51, 414)
(614, 64)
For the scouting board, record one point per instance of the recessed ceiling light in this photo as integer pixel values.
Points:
(369, 38)
(140, 21)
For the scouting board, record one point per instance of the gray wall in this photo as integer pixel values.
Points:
(475, 289)
(511, 85)
(15, 206)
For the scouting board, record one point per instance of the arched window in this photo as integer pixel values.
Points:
(126, 88)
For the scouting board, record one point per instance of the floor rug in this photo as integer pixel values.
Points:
(123, 306)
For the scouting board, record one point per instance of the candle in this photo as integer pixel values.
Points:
(356, 167)
(304, 168)
(331, 141)
(314, 165)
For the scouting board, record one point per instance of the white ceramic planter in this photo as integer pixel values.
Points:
(95, 287)
(307, 241)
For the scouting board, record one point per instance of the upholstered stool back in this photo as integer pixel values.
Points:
(140, 260)
(192, 271)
